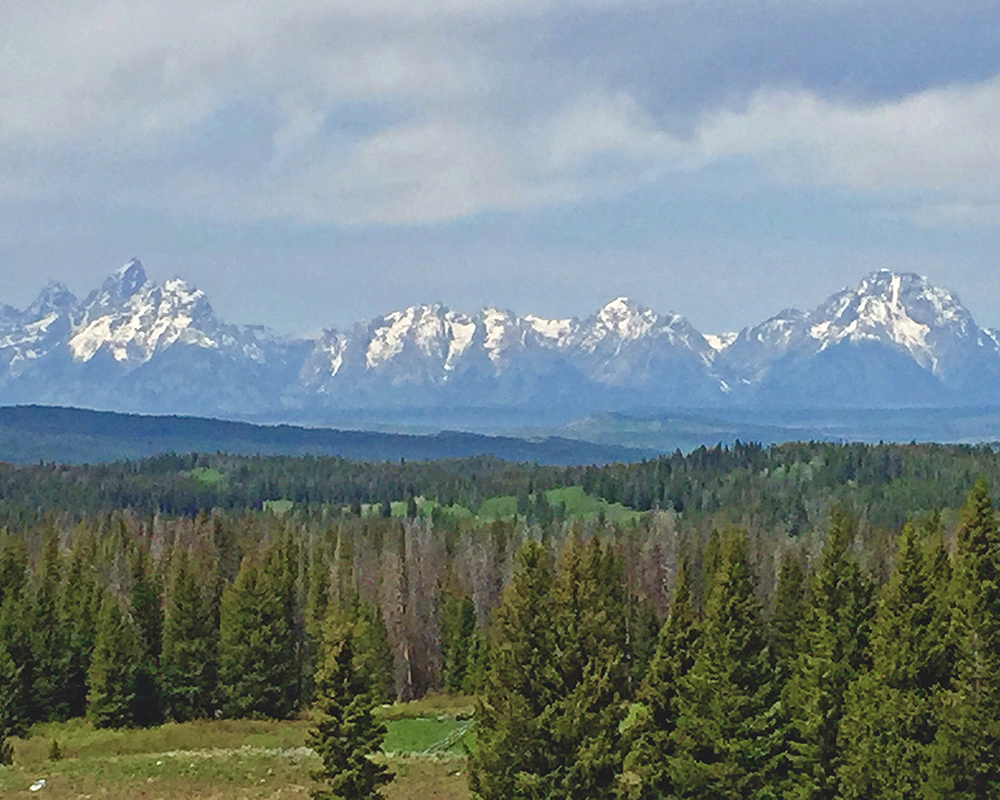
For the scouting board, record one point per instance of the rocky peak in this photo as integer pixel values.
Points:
(125, 281)
(54, 298)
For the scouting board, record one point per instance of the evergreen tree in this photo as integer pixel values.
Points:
(111, 701)
(50, 652)
(458, 624)
(557, 688)
(11, 723)
(147, 614)
(965, 755)
(13, 568)
(831, 651)
(189, 663)
(724, 742)
(643, 629)
(80, 608)
(346, 735)
(256, 668)
(888, 720)
(16, 638)
(787, 611)
(372, 651)
(593, 679)
(648, 730)
(514, 757)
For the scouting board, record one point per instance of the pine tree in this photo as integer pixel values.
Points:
(49, 634)
(514, 757)
(458, 623)
(372, 651)
(593, 691)
(147, 613)
(16, 638)
(81, 604)
(557, 688)
(724, 742)
(787, 611)
(346, 735)
(256, 667)
(888, 721)
(189, 663)
(111, 701)
(965, 754)
(831, 651)
(11, 723)
(648, 730)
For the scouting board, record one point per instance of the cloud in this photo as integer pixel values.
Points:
(939, 140)
(391, 112)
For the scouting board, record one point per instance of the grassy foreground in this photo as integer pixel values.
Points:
(233, 759)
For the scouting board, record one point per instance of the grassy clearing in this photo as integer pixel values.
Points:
(579, 505)
(582, 505)
(230, 759)
(278, 507)
(433, 705)
(209, 476)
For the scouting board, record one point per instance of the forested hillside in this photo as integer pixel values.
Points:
(805, 620)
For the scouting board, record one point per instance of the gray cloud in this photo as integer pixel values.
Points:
(390, 112)
(127, 124)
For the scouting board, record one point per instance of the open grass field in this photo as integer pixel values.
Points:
(233, 759)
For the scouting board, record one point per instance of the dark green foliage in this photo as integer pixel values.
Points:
(346, 736)
(643, 630)
(81, 605)
(372, 651)
(147, 614)
(257, 665)
(111, 701)
(649, 729)
(50, 696)
(10, 713)
(583, 693)
(16, 640)
(557, 688)
(514, 757)
(831, 651)
(13, 568)
(725, 739)
(189, 662)
(965, 755)
(787, 612)
(889, 715)
(458, 626)
(592, 669)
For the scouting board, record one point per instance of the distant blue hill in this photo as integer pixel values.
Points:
(70, 435)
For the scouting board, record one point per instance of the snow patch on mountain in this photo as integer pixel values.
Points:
(720, 341)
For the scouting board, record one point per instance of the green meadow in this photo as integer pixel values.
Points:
(233, 759)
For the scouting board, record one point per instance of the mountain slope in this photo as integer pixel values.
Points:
(136, 345)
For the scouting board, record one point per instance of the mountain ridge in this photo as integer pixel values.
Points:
(134, 345)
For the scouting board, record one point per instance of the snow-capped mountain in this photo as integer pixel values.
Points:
(137, 345)
(847, 350)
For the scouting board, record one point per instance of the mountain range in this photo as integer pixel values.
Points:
(134, 345)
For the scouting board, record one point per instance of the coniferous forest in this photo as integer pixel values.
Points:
(798, 621)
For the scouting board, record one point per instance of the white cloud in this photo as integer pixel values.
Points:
(937, 140)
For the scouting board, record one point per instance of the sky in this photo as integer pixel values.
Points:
(310, 164)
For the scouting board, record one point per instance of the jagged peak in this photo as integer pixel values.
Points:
(54, 297)
(127, 279)
(621, 306)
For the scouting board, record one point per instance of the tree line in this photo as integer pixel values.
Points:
(765, 627)
(840, 688)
